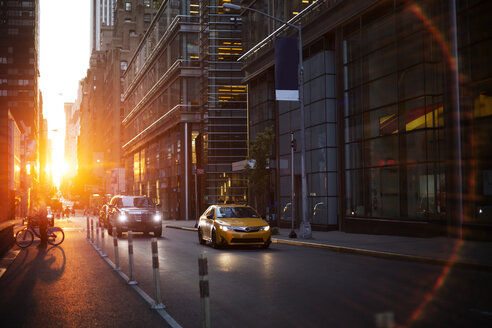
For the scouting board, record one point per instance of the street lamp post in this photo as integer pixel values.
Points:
(305, 227)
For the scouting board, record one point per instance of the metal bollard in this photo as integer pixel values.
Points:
(116, 255)
(130, 257)
(88, 231)
(157, 279)
(92, 231)
(103, 250)
(97, 235)
(204, 290)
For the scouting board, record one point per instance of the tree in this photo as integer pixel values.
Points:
(258, 176)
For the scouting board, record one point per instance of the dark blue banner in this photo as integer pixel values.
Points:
(286, 69)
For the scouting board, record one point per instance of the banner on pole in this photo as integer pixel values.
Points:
(286, 69)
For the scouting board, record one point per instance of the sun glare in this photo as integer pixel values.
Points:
(58, 169)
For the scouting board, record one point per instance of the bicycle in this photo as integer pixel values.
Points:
(25, 237)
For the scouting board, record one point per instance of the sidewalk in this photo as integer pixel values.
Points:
(436, 250)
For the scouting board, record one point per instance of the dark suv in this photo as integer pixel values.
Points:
(135, 213)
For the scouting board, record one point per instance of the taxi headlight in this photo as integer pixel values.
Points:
(265, 228)
(122, 218)
(49, 216)
(157, 217)
(226, 228)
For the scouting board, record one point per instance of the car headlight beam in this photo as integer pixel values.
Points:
(122, 218)
(265, 228)
(226, 228)
(157, 217)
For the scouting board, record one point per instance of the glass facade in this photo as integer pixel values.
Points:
(393, 115)
(161, 109)
(474, 45)
(225, 96)
(176, 94)
(377, 109)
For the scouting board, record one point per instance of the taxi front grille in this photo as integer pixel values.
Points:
(247, 229)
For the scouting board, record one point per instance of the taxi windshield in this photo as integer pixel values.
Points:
(235, 212)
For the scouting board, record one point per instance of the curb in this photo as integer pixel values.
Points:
(379, 254)
(181, 228)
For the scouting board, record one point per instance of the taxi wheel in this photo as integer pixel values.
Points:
(200, 237)
(215, 244)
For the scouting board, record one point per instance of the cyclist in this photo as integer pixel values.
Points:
(41, 218)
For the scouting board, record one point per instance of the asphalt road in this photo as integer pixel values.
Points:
(291, 286)
(69, 286)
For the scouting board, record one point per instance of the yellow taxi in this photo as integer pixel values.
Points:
(232, 224)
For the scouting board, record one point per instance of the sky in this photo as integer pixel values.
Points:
(64, 52)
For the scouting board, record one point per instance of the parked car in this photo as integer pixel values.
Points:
(135, 213)
(229, 224)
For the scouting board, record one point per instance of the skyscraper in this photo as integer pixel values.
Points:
(102, 15)
(19, 104)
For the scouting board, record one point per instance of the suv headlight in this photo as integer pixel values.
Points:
(265, 228)
(157, 217)
(122, 218)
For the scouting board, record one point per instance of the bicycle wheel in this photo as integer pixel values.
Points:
(55, 236)
(24, 238)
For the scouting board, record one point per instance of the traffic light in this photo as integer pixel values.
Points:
(293, 144)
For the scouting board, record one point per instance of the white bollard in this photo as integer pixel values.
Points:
(157, 279)
(116, 255)
(88, 231)
(130, 257)
(204, 290)
(103, 250)
(97, 235)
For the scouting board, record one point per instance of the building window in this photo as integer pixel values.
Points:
(128, 6)
(147, 3)
(147, 18)
(393, 109)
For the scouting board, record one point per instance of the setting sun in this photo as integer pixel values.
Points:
(58, 169)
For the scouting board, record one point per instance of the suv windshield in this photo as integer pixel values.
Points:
(136, 202)
(236, 212)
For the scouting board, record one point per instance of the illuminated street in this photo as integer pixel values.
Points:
(246, 163)
(68, 286)
(291, 286)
